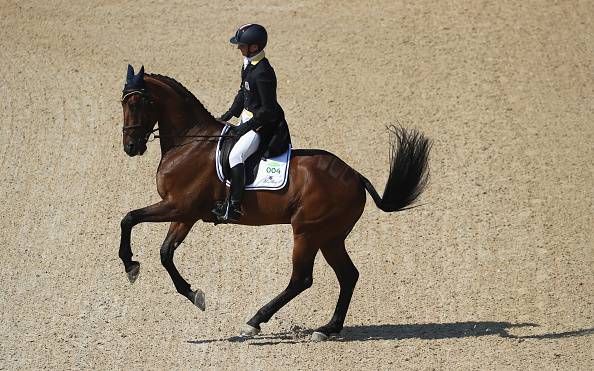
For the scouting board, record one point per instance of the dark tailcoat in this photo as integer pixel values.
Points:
(257, 94)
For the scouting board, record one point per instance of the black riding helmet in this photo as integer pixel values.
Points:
(249, 34)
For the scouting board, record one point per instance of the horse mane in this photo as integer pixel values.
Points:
(181, 90)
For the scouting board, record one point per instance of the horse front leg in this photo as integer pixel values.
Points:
(160, 212)
(177, 233)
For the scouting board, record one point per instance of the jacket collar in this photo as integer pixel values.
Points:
(253, 60)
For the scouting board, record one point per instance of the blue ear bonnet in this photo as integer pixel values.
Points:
(134, 82)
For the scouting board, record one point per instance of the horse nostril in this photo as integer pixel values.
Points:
(129, 148)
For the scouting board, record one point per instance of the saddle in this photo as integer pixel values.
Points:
(263, 172)
(251, 164)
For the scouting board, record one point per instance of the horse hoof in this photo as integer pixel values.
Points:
(133, 273)
(199, 299)
(249, 331)
(319, 336)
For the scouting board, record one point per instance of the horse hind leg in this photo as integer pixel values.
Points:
(177, 233)
(304, 255)
(347, 274)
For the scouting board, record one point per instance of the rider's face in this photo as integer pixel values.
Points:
(247, 50)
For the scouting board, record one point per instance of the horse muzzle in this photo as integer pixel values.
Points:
(134, 148)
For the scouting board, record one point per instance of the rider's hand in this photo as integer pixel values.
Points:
(226, 116)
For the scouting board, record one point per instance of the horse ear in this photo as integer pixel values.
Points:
(141, 72)
(130, 73)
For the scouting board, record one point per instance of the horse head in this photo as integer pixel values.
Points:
(139, 113)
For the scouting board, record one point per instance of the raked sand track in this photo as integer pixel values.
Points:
(496, 271)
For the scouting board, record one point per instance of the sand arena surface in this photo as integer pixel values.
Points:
(496, 271)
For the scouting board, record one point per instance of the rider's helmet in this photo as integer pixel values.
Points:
(249, 34)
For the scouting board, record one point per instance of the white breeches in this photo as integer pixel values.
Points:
(244, 148)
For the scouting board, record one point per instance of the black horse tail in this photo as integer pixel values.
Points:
(409, 170)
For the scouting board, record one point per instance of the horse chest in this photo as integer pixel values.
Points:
(182, 176)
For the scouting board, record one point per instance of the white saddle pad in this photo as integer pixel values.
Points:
(273, 173)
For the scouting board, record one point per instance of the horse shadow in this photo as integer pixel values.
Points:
(427, 331)
(436, 331)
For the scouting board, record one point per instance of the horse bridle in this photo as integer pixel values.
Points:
(144, 94)
(145, 97)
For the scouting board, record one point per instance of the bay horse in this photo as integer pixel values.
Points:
(322, 200)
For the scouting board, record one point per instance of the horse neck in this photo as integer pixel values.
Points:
(178, 117)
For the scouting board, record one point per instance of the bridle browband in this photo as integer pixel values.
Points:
(143, 92)
(130, 92)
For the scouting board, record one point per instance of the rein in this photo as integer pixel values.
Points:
(148, 138)
(208, 137)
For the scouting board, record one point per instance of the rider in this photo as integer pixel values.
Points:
(258, 110)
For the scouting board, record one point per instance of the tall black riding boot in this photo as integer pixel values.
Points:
(233, 207)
